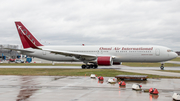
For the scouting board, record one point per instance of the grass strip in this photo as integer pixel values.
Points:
(69, 72)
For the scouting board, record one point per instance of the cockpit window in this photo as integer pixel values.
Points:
(169, 50)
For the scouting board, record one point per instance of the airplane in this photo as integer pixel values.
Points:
(92, 56)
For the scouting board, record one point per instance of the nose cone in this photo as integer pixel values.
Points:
(174, 55)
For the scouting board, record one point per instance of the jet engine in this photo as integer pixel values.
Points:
(105, 60)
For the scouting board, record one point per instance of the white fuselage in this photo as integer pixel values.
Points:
(128, 53)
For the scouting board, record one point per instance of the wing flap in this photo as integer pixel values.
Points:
(80, 56)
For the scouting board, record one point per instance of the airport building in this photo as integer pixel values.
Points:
(178, 52)
(7, 54)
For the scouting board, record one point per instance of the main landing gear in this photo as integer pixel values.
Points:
(94, 66)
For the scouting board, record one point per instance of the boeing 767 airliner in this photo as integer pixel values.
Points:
(92, 56)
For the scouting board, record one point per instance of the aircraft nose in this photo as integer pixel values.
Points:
(174, 55)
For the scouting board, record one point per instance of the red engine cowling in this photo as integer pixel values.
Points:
(105, 60)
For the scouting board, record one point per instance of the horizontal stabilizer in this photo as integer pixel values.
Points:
(21, 50)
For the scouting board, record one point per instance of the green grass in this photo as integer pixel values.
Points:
(69, 72)
(135, 64)
(176, 59)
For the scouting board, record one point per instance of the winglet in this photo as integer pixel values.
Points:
(27, 39)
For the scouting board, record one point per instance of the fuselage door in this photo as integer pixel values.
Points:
(157, 52)
(44, 52)
(101, 51)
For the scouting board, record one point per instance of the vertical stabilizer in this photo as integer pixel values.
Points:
(27, 39)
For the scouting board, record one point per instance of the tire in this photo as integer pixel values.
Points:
(83, 66)
(162, 68)
(95, 66)
(88, 66)
(91, 66)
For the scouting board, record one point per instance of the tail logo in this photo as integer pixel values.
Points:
(24, 32)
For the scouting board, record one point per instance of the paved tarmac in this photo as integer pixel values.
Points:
(72, 88)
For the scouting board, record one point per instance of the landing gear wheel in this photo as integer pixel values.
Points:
(88, 67)
(95, 66)
(83, 66)
(162, 67)
(91, 66)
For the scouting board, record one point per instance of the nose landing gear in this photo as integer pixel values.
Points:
(162, 66)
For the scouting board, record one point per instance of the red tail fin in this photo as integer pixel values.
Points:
(27, 39)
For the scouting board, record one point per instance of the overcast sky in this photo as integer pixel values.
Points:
(93, 22)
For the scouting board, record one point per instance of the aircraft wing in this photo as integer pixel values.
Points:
(21, 50)
(80, 56)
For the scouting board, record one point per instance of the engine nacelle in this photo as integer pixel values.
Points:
(105, 60)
